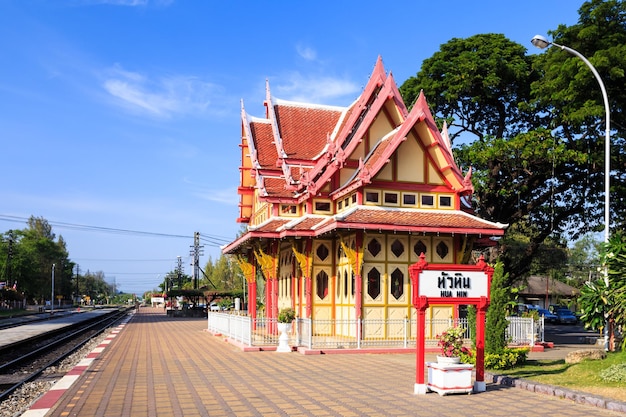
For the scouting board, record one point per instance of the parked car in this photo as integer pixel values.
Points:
(547, 316)
(565, 316)
(214, 307)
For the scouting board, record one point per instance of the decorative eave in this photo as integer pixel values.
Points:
(418, 221)
(371, 111)
(414, 221)
(245, 120)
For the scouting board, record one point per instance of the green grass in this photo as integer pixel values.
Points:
(583, 376)
(14, 313)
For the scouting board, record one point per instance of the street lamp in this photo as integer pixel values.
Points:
(541, 42)
(52, 295)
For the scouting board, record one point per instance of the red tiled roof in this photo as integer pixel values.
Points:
(275, 187)
(418, 220)
(272, 225)
(304, 129)
(400, 220)
(263, 142)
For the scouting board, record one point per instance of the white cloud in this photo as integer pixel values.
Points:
(314, 89)
(306, 52)
(161, 97)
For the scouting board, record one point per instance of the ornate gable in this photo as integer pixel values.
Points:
(302, 159)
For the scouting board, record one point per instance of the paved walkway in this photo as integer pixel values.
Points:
(160, 366)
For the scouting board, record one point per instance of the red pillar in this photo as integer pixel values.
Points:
(479, 385)
(358, 291)
(420, 369)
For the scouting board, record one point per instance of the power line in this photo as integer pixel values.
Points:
(212, 240)
(121, 260)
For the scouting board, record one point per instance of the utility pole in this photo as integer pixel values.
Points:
(196, 252)
(78, 297)
(7, 267)
(52, 297)
(179, 272)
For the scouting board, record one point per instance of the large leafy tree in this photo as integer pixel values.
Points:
(573, 105)
(536, 150)
(475, 84)
(33, 251)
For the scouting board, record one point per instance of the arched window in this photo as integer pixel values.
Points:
(321, 284)
(373, 283)
(397, 283)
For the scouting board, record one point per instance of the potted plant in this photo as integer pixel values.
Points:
(448, 374)
(451, 345)
(286, 315)
(285, 320)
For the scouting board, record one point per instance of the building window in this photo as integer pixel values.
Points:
(372, 197)
(391, 198)
(397, 284)
(442, 250)
(339, 205)
(353, 199)
(374, 247)
(321, 284)
(409, 199)
(345, 283)
(353, 283)
(420, 248)
(322, 206)
(373, 283)
(427, 200)
(397, 248)
(287, 209)
(322, 252)
(445, 201)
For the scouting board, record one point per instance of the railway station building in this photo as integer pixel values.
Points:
(340, 201)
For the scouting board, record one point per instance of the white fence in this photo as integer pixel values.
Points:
(355, 334)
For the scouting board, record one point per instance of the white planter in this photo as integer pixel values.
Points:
(449, 379)
(283, 339)
(448, 360)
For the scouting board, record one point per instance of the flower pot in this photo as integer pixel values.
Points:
(449, 378)
(448, 360)
(283, 339)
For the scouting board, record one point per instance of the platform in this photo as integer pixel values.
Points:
(63, 319)
(160, 366)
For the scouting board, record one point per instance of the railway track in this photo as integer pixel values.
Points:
(26, 361)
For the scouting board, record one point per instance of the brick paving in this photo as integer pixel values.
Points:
(161, 366)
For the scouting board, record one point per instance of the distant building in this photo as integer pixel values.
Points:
(339, 201)
(544, 291)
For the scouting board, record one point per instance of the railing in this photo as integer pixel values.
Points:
(356, 334)
(524, 330)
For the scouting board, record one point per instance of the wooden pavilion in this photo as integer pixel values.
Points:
(340, 201)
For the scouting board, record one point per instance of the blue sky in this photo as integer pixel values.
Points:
(123, 115)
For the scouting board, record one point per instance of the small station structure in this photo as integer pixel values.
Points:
(339, 202)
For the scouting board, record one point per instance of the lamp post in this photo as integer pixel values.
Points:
(541, 42)
(52, 296)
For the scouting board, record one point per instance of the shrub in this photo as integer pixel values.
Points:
(286, 315)
(506, 359)
(614, 373)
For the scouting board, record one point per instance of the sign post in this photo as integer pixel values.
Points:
(456, 284)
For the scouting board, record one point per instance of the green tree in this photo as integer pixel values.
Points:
(33, 252)
(613, 257)
(496, 322)
(572, 103)
(535, 130)
(475, 84)
(583, 261)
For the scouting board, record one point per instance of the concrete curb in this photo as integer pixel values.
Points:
(559, 392)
